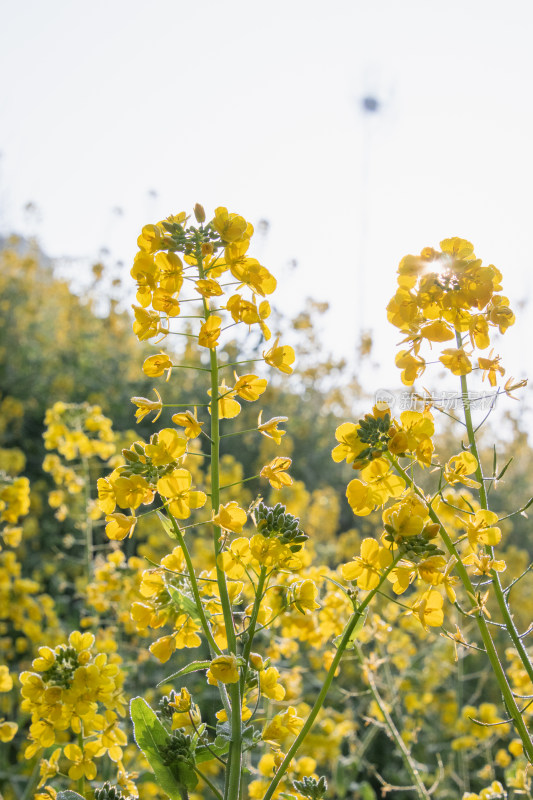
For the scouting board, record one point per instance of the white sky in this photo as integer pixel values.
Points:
(257, 106)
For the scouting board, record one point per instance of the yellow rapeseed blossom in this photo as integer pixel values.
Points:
(210, 332)
(269, 686)
(270, 427)
(230, 517)
(6, 681)
(163, 648)
(491, 367)
(249, 387)
(175, 488)
(481, 528)
(8, 730)
(189, 421)
(155, 366)
(225, 669)
(119, 526)
(305, 594)
(276, 472)
(456, 360)
(428, 609)
(280, 356)
(233, 561)
(458, 467)
(145, 407)
(412, 366)
(349, 445)
(283, 725)
(146, 324)
(368, 567)
(228, 407)
(231, 227)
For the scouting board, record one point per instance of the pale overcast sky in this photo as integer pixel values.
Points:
(258, 106)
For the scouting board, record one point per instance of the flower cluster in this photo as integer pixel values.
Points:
(78, 432)
(161, 275)
(14, 503)
(165, 282)
(73, 689)
(447, 295)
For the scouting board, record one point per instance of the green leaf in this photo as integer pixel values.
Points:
(151, 737)
(354, 634)
(67, 794)
(223, 733)
(194, 666)
(250, 737)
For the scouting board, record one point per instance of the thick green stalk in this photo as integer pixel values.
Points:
(319, 702)
(483, 500)
(233, 775)
(497, 668)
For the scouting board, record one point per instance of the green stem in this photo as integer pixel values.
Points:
(233, 775)
(250, 632)
(238, 433)
(213, 646)
(483, 500)
(245, 361)
(308, 724)
(497, 668)
(237, 483)
(187, 366)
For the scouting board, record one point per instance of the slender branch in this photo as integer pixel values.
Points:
(211, 785)
(406, 755)
(213, 646)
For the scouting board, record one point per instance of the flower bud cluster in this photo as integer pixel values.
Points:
(109, 792)
(179, 748)
(277, 522)
(311, 788)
